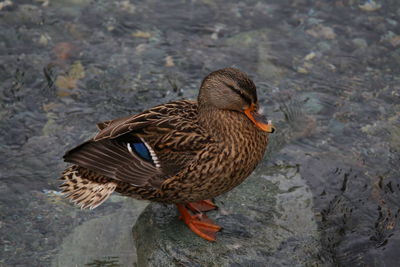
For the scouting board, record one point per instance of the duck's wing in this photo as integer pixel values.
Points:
(159, 116)
(133, 149)
(115, 159)
(104, 124)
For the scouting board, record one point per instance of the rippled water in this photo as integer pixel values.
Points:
(330, 69)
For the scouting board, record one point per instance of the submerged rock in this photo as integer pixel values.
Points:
(267, 221)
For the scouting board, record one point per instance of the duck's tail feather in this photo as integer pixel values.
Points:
(84, 189)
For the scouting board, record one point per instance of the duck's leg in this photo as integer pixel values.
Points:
(202, 206)
(199, 223)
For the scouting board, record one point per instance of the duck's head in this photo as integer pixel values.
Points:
(231, 89)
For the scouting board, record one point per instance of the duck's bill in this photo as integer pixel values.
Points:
(259, 120)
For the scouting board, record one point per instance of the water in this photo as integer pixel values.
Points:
(327, 68)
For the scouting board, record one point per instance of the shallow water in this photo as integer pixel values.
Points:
(329, 69)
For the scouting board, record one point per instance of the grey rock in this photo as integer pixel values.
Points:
(360, 42)
(267, 221)
(258, 40)
(102, 240)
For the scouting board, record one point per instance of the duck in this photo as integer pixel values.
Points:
(184, 152)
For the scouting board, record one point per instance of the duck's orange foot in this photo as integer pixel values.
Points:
(199, 223)
(202, 206)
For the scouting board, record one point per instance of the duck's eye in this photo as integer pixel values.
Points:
(238, 91)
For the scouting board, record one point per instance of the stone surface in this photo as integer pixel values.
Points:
(103, 240)
(267, 221)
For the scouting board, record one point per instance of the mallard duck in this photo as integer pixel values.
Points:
(183, 152)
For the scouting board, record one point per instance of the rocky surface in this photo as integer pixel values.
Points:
(267, 221)
(102, 241)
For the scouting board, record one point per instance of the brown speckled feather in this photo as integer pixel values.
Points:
(166, 116)
(220, 167)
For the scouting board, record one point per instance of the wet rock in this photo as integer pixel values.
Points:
(70, 7)
(324, 46)
(259, 41)
(360, 42)
(103, 240)
(142, 34)
(267, 220)
(370, 5)
(5, 4)
(320, 31)
(126, 6)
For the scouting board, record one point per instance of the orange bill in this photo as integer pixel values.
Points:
(259, 120)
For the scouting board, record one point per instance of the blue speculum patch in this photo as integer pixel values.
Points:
(141, 150)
